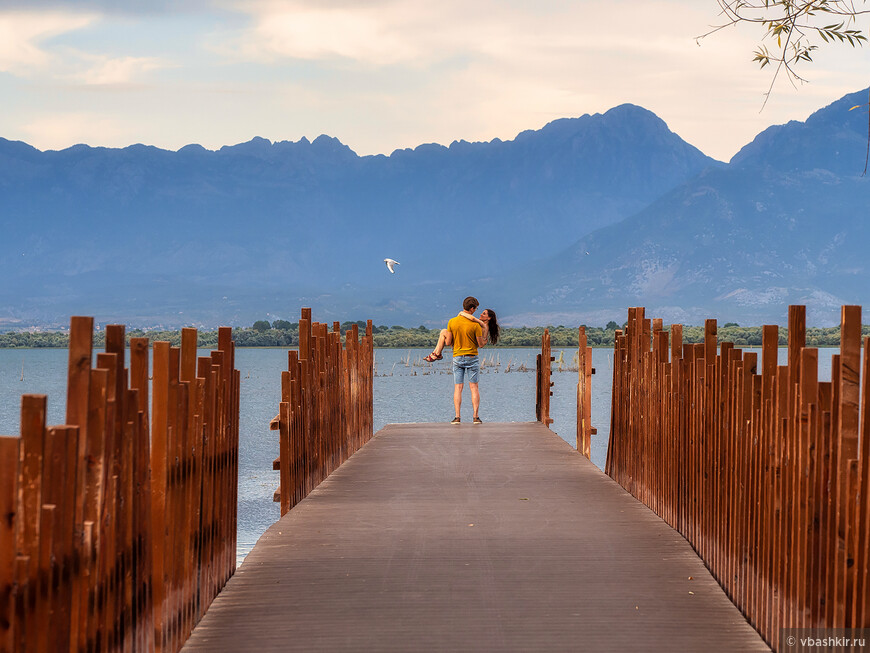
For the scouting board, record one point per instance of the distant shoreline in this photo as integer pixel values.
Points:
(397, 337)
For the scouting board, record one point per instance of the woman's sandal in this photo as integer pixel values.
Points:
(431, 358)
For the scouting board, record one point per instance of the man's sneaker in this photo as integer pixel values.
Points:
(477, 420)
(456, 420)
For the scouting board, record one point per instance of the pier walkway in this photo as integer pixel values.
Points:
(494, 537)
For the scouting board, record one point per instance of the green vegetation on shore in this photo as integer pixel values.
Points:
(282, 333)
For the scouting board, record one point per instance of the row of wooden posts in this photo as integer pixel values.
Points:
(764, 469)
(119, 527)
(326, 410)
(544, 383)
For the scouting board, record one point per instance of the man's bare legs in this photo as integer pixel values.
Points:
(475, 397)
(457, 397)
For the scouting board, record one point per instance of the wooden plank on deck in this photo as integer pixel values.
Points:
(471, 538)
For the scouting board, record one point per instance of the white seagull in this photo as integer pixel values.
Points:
(390, 264)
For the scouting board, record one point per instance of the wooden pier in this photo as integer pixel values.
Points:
(471, 538)
(119, 526)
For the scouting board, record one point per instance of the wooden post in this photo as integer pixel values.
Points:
(9, 465)
(78, 382)
(802, 562)
(847, 455)
(770, 344)
(861, 617)
(45, 591)
(285, 453)
(584, 396)
(544, 384)
(33, 409)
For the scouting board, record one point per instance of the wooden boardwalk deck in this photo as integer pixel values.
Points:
(471, 538)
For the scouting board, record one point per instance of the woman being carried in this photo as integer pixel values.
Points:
(487, 320)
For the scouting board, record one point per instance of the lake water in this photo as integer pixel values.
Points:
(405, 390)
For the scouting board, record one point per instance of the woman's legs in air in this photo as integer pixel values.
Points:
(445, 339)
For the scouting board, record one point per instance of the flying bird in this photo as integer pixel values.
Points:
(391, 264)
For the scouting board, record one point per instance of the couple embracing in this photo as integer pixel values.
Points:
(465, 333)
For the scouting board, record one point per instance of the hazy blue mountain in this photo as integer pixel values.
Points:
(151, 236)
(832, 139)
(785, 222)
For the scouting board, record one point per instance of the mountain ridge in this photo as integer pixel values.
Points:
(575, 221)
(288, 220)
(783, 223)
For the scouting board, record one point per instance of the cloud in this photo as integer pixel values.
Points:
(115, 71)
(360, 33)
(24, 51)
(414, 32)
(316, 34)
(378, 33)
(21, 36)
(122, 7)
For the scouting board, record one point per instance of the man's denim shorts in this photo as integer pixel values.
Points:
(463, 365)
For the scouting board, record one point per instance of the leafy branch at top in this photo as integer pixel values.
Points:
(797, 27)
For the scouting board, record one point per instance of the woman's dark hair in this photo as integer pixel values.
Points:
(492, 326)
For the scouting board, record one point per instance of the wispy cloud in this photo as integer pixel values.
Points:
(363, 33)
(324, 34)
(115, 71)
(22, 35)
(416, 31)
(26, 51)
(116, 7)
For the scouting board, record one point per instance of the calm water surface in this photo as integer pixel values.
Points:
(405, 390)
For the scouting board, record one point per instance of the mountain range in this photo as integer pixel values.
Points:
(568, 224)
(785, 222)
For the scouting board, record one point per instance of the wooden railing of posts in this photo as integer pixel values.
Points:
(585, 430)
(325, 413)
(543, 374)
(764, 469)
(119, 527)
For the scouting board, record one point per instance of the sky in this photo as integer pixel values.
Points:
(386, 74)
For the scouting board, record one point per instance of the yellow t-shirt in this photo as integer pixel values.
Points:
(465, 333)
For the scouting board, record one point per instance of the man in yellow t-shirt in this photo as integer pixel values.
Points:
(467, 337)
